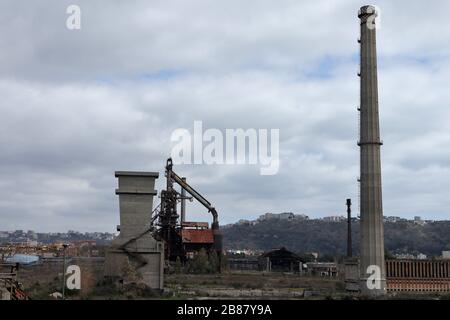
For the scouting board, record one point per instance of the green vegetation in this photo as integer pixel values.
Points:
(202, 263)
(178, 266)
(330, 238)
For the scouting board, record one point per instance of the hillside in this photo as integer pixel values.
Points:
(329, 238)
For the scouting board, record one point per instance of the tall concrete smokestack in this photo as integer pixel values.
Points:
(372, 235)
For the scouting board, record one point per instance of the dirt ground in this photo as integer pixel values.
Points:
(40, 281)
(252, 285)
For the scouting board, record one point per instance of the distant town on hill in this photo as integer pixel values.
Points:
(31, 237)
(416, 238)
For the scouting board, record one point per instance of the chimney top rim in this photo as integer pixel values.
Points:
(367, 10)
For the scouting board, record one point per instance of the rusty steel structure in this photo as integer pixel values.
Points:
(10, 288)
(182, 238)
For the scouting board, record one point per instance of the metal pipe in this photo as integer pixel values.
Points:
(183, 203)
(349, 228)
(64, 273)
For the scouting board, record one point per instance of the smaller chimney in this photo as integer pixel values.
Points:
(349, 228)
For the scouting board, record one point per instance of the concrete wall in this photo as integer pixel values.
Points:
(4, 294)
(351, 274)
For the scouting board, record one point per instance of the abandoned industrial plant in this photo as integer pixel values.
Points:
(292, 150)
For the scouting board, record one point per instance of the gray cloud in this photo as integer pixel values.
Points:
(78, 105)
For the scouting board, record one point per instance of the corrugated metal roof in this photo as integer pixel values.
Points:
(190, 224)
(197, 236)
(281, 253)
(22, 259)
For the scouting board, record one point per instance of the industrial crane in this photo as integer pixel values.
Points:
(184, 237)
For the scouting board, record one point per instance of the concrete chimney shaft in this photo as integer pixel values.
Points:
(372, 235)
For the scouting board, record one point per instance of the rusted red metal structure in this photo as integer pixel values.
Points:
(182, 238)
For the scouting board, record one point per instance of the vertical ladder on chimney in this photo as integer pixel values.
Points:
(359, 132)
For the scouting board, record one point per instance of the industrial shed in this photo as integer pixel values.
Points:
(281, 260)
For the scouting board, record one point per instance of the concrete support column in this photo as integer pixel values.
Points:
(389, 269)
(135, 246)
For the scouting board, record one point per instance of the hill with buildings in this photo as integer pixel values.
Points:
(328, 236)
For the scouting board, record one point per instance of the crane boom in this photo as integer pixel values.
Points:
(178, 237)
(194, 193)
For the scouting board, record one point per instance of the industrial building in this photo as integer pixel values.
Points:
(281, 260)
(418, 275)
(150, 238)
(323, 269)
(183, 238)
(23, 259)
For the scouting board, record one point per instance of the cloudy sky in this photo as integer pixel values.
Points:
(76, 105)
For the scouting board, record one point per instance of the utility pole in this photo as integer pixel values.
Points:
(64, 272)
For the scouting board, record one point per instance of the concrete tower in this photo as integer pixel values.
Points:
(372, 235)
(135, 253)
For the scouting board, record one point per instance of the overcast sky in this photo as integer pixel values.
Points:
(77, 105)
